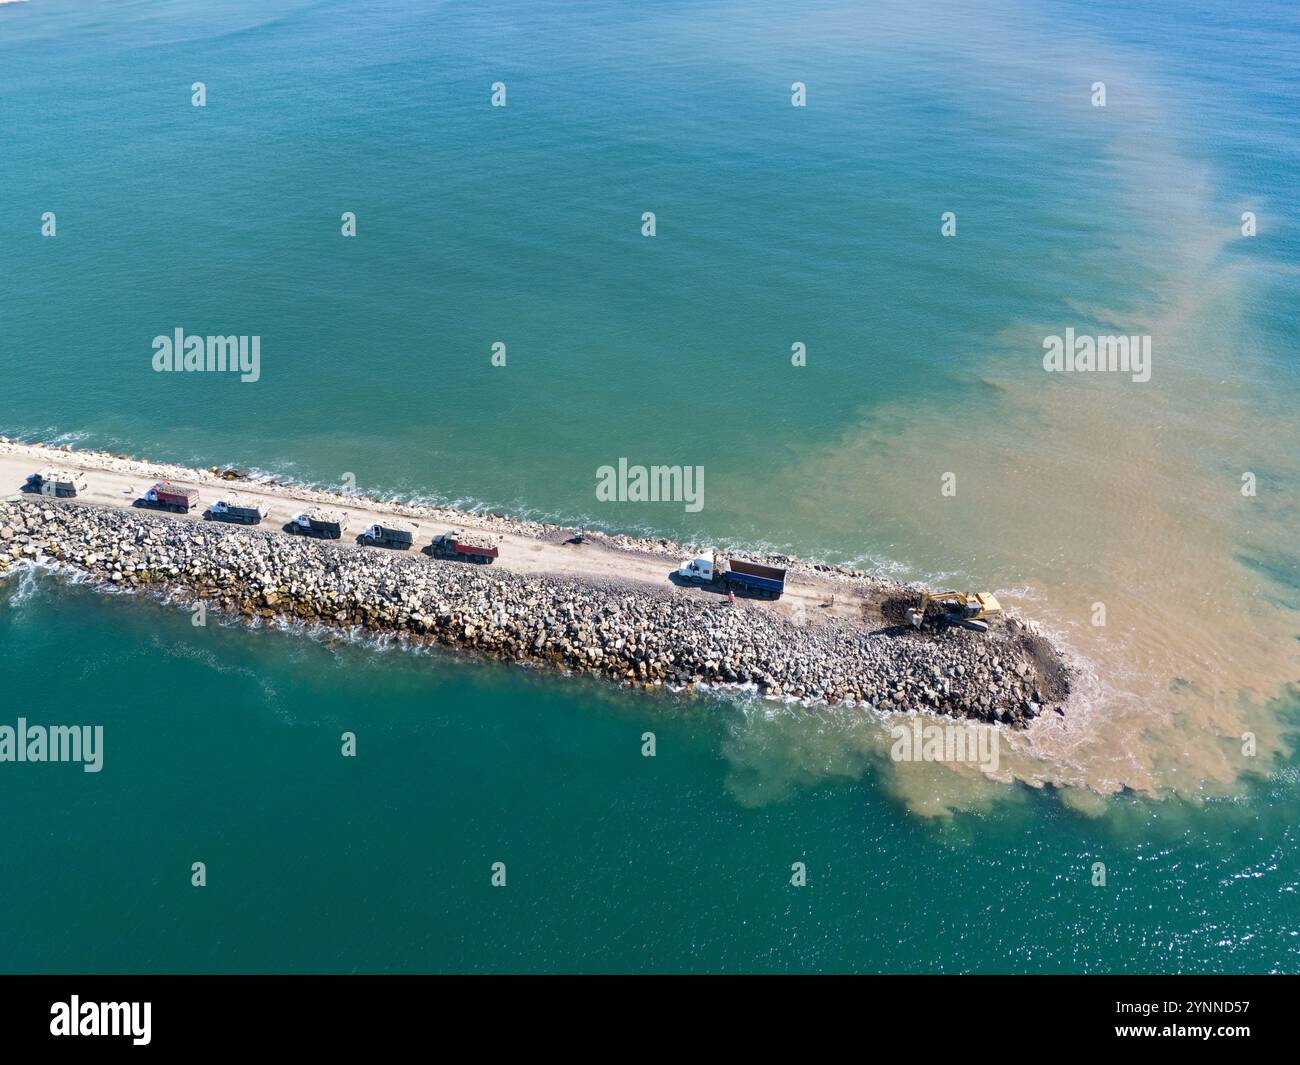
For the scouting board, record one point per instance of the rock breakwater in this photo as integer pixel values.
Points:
(630, 633)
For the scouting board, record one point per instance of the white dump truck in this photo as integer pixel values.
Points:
(395, 534)
(239, 510)
(326, 524)
(732, 573)
(65, 484)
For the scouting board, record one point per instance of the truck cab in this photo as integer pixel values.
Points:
(698, 570)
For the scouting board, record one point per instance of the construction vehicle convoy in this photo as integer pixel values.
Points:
(936, 609)
(52, 482)
(239, 510)
(166, 496)
(398, 536)
(971, 611)
(731, 573)
(325, 524)
(458, 544)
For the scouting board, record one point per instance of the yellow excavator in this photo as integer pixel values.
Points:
(972, 611)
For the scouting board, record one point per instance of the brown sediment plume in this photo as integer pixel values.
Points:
(1112, 512)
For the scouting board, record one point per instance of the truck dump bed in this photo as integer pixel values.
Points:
(464, 547)
(756, 575)
(756, 569)
(173, 497)
(468, 545)
(170, 493)
(321, 516)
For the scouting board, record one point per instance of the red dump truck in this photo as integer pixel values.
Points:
(464, 546)
(166, 496)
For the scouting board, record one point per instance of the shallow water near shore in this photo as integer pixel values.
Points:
(774, 226)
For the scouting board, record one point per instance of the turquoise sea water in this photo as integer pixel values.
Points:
(522, 224)
(614, 861)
